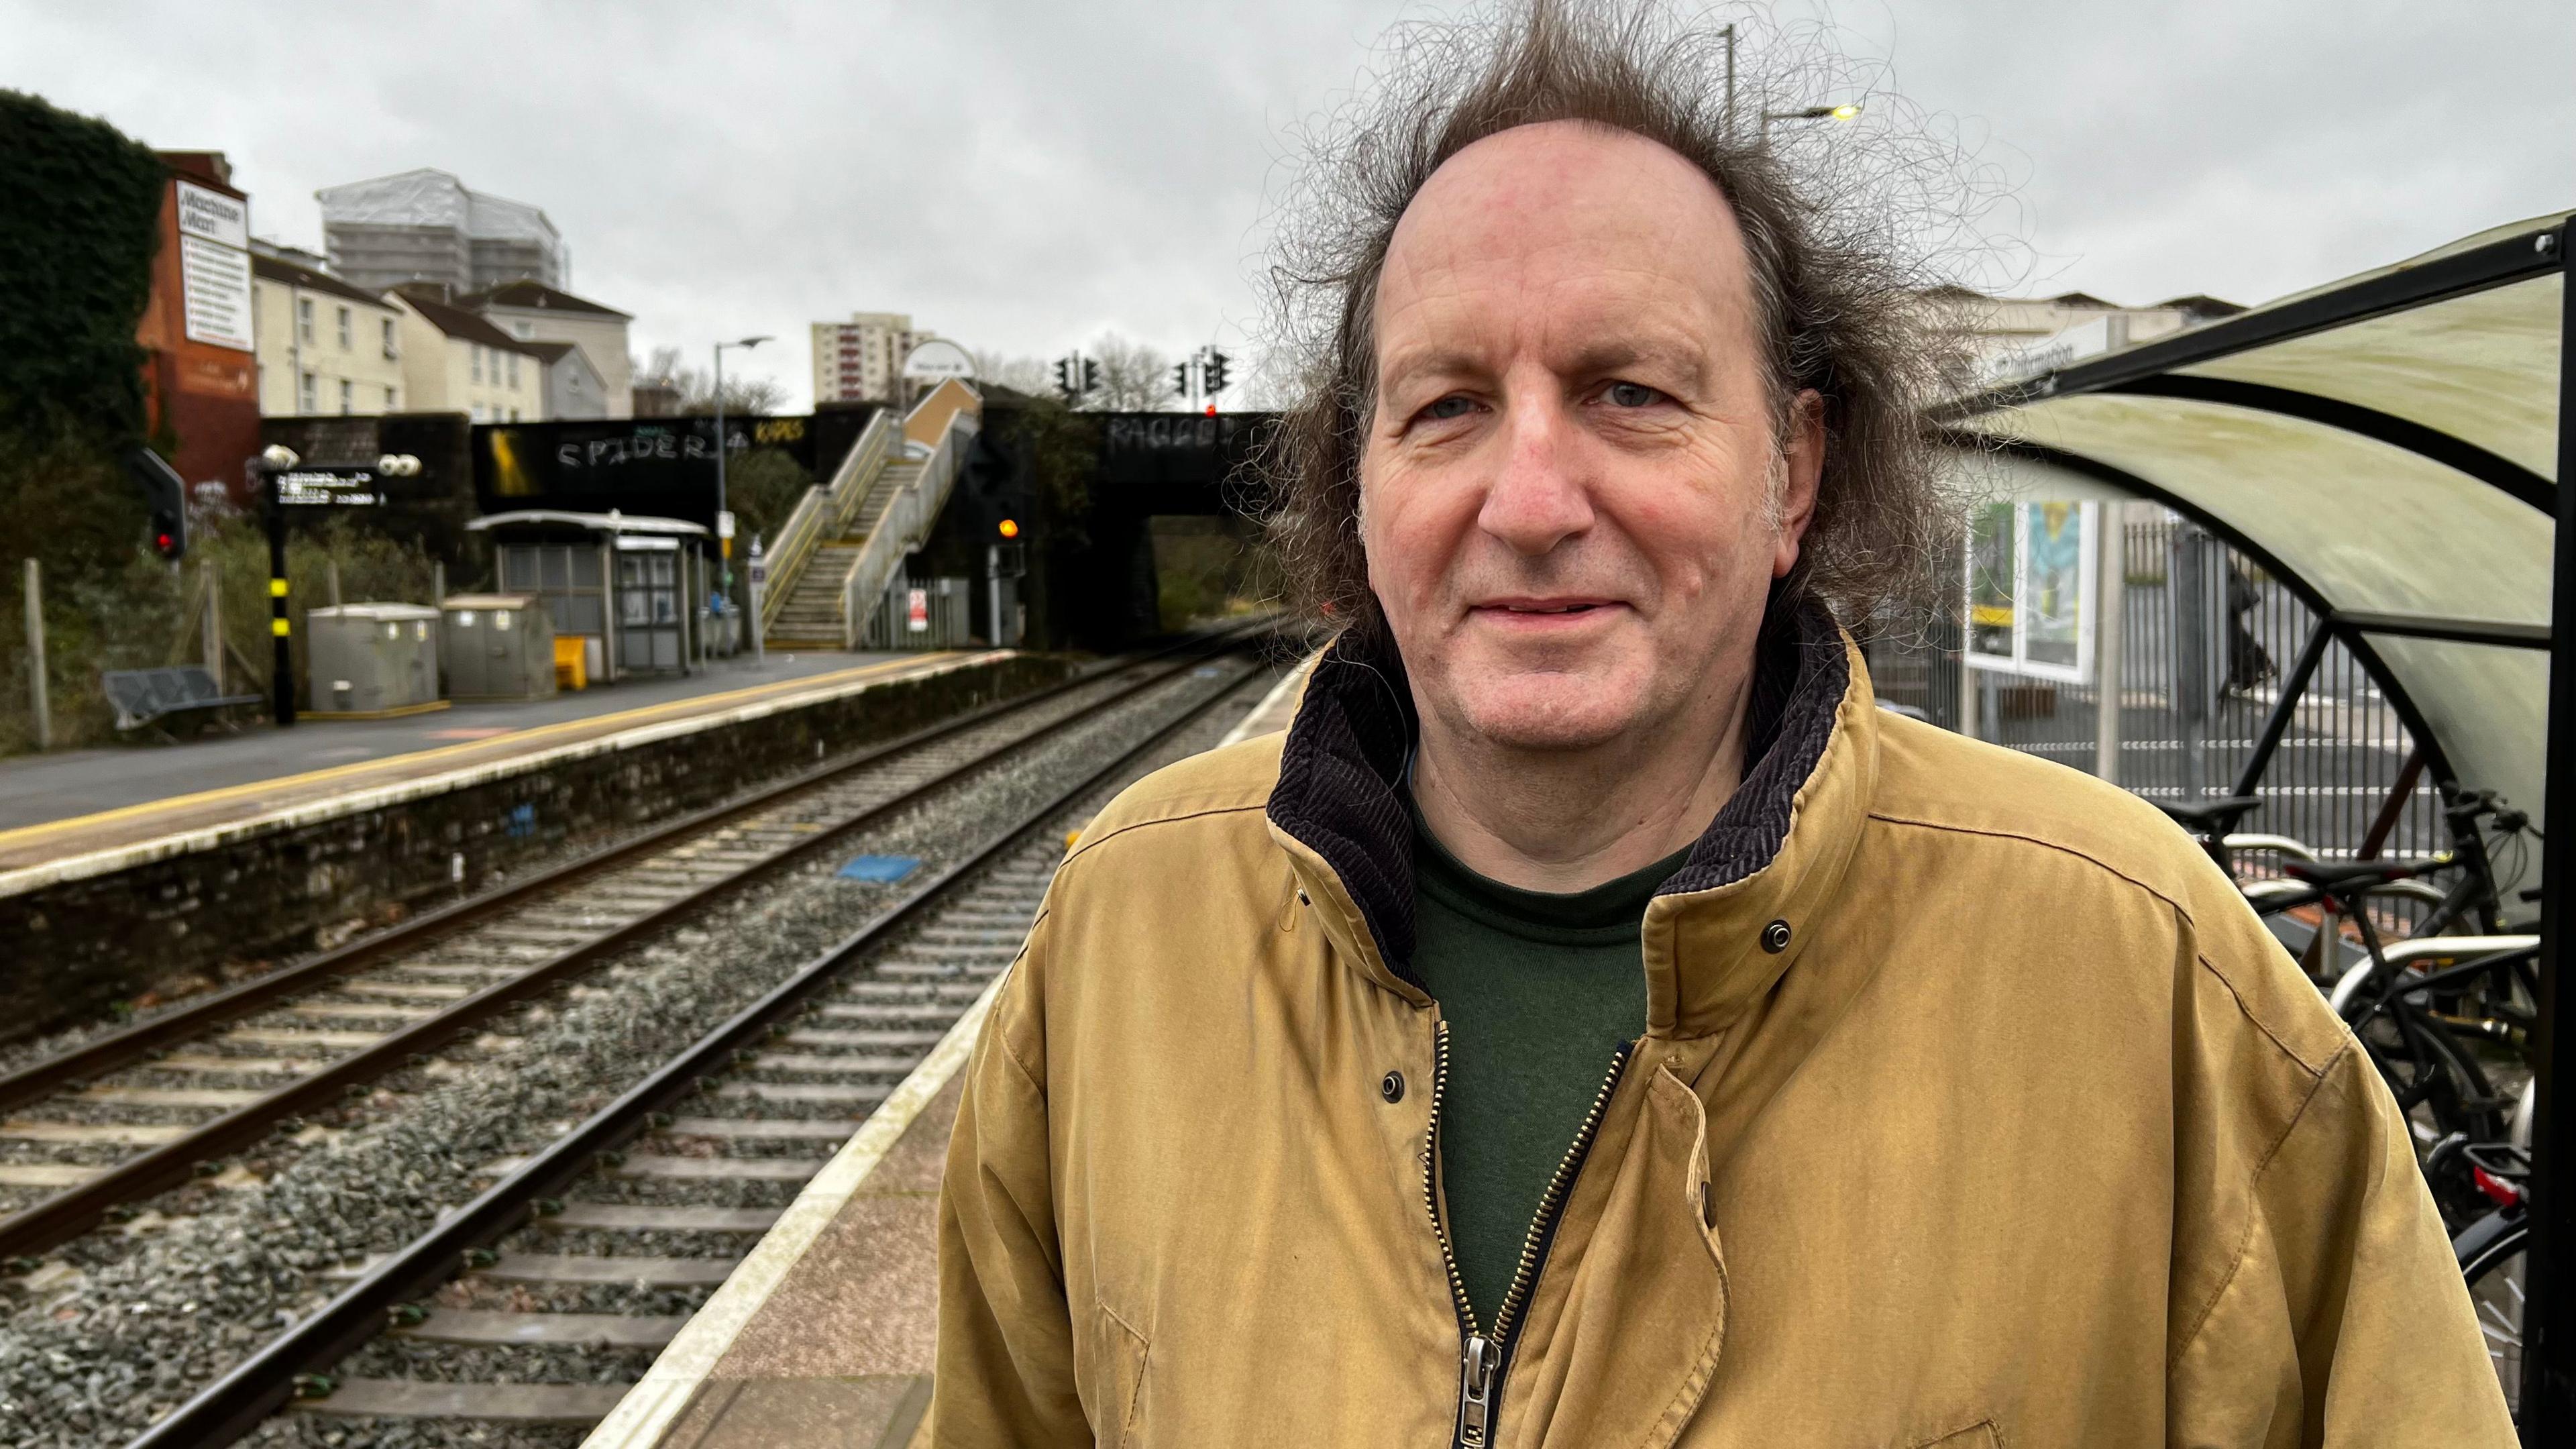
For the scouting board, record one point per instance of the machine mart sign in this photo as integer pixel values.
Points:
(328, 488)
(214, 265)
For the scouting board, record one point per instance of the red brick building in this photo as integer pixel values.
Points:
(201, 384)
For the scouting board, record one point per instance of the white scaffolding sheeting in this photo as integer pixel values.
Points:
(430, 197)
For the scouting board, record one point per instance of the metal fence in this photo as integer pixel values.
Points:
(2207, 641)
(921, 614)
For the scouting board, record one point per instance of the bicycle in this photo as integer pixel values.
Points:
(2493, 1252)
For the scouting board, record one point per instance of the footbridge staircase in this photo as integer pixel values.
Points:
(845, 542)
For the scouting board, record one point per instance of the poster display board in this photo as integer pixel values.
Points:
(2031, 588)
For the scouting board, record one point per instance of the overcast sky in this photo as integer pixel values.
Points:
(1024, 176)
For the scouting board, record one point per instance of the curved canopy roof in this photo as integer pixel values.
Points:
(2388, 443)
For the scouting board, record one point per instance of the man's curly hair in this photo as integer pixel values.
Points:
(1837, 306)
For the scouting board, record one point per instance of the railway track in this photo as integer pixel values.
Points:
(521, 1317)
(92, 1131)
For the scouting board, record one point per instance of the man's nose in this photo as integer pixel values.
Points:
(1537, 498)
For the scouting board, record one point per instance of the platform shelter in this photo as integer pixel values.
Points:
(2387, 449)
(632, 588)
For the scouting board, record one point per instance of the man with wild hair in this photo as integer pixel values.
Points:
(1595, 1023)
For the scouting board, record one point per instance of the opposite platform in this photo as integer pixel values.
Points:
(79, 801)
(176, 895)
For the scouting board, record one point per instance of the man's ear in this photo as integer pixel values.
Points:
(1802, 469)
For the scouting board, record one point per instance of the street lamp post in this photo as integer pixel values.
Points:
(724, 541)
(1728, 31)
(1844, 112)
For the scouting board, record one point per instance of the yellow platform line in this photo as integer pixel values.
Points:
(626, 719)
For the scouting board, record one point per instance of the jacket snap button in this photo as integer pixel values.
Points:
(1391, 1087)
(1301, 899)
(1775, 937)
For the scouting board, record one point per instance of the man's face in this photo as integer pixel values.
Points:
(1571, 498)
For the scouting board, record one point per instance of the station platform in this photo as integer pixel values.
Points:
(80, 802)
(825, 1332)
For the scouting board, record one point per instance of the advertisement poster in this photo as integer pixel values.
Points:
(1993, 561)
(2030, 588)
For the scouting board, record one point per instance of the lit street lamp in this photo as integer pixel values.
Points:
(1844, 112)
(724, 545)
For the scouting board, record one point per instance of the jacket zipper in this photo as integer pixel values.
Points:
(1482, 1356)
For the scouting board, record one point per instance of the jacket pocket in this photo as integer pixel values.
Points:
(1979, 1435)
(1114, 1412)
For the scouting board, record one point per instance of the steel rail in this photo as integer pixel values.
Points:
(132, 1044)
(234, 1404)
(73, 1211)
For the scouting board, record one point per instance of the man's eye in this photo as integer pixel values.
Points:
(1632, 395)
(1452, 406)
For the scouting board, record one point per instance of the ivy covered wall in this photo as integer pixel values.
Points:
(76, 244)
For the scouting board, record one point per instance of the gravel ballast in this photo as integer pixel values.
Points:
(119, 1327)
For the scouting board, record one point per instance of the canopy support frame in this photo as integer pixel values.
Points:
(2286, 708)
(2549, 1326)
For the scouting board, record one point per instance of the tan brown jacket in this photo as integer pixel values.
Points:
(2029, 1135)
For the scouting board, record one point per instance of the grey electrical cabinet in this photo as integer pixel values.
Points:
(371, 658)
(498, 646)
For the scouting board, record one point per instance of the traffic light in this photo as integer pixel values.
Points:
(167, 498)
(1090, 375)
(1181, 380)
(1064, 376)
(1215, 372)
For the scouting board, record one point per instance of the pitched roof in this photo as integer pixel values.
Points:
(2203, 306)
(456, 321)
(528, 292)
(551, 353)
(286, 273)
(2081, 299)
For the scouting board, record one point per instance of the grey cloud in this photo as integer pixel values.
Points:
(1024, 176)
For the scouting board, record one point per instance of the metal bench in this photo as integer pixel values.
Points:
(144, 695)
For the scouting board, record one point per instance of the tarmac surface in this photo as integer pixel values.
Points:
(84, 800)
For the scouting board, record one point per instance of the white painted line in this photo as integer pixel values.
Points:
(1252, 724)
(122, 857)
(647, 1411)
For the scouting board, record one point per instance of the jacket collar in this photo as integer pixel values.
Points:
(1773, 852)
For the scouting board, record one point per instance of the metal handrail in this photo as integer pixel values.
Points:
(905, 524)
(836, 501)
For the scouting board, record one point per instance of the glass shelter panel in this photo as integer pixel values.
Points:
(2368, 527)
(2482, 368)
(2205, 638)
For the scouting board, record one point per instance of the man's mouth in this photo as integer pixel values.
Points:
(1542, 608)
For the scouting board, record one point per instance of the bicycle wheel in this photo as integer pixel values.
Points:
(2491, 1259)
(2438, 1085)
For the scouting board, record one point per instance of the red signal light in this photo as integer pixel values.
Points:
(1211, 409)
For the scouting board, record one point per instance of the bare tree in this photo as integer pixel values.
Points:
(1134, 377)
(1020, 374)
(746, 396)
